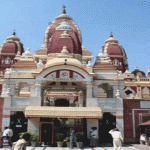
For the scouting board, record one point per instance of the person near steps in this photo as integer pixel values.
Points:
(117, 138)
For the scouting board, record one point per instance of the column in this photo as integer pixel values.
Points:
(4, 90)
(119, 112)
(80, 99)
(33, 126)
(88, 94)
(38, 89)
(32, 90)
(36, 100)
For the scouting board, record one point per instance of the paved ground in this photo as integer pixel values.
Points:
(65, 148)
(125, 147)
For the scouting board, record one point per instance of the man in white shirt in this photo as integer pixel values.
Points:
(21, 144)
(93, 133)
(117, 138)
(10, 134)
(6, 132)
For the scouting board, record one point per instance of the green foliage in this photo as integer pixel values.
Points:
(23, 133)
(67, 139)
(48, 104)
(80, 136)
(72, 104)
(33, 138)
(59, 137)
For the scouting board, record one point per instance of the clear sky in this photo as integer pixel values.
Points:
(129, 20)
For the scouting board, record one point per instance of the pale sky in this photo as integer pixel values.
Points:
(129, 20)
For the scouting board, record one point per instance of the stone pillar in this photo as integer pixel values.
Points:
(6, 111)
(80, 99)
(88, 93)
(33, 126)
(4, 90)
(37, 100)
(93, 123)
(32, 90)
(119, 112)
(38, 89)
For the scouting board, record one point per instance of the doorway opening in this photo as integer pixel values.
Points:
(18, 124)
(47, 133)
(62, 103)
(105, 125)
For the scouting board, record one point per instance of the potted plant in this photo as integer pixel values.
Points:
(67, 141)
(79, 138)
(34, 140)
(59, 138)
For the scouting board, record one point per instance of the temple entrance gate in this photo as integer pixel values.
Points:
(105, 125)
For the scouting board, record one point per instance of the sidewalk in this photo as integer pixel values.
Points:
(125, 147)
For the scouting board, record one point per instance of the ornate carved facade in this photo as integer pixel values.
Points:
(58, 86)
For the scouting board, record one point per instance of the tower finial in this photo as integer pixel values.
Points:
(64, 11)
(111, 35)
(14, 33)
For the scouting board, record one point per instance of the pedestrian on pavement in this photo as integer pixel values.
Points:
(93, 137)
(117, 138)
(72, 137)
(10, 134)
(5, 137)
(21, 144)
(5, 132)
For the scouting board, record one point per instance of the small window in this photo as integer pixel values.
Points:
(116, 62)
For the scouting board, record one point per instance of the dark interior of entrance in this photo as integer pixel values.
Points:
(18, 124)
(61, 103)
(105, 125)
(46, 134)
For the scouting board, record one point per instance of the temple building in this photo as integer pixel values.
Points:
(57, 87)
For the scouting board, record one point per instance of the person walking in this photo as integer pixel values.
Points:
(5, 132)
(21, 144)
(117, 138)
(72, 137)
(93, 137)
(10, 134)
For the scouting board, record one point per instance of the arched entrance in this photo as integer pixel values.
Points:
(105, 125)
(61, 103)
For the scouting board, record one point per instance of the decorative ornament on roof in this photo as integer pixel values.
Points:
(136, 67)
(40, 64)
(64, 50)
(64, 11)
(65, 25)
(65, 35)
(118, 94)
(13, 37)
(27, 52)
(101, 54)
(111, 35)
(111, 39)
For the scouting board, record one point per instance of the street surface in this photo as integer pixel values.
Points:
(86, 148)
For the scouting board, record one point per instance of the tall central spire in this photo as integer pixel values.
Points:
(64, 11)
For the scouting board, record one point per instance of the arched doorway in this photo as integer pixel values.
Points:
(61, 103)
(105, 125)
